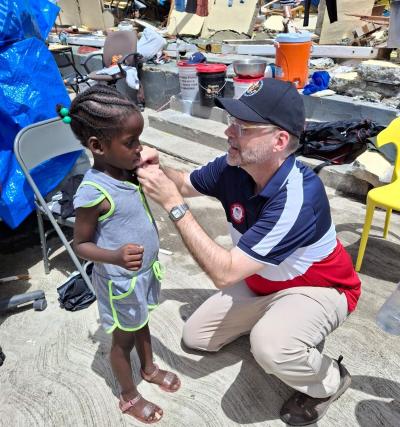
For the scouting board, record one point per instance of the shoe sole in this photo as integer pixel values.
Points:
(338, 394)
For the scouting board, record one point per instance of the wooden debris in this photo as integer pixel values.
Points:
(380, 20)
(13, 278)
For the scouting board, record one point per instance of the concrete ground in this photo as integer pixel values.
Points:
(57, 371)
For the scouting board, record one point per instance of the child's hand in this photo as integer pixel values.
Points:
(129, 256)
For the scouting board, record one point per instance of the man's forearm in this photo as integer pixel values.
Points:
(212, 258)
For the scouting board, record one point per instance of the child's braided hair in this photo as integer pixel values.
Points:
(99, 111)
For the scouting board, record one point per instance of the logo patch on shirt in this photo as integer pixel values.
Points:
(254, 88)
(237, 213)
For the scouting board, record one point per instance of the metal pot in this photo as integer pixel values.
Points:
(249, 67)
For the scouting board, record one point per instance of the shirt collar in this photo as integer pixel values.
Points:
(279, 177)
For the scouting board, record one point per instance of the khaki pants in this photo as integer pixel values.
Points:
(284, 327)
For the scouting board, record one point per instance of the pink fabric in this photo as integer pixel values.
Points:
(202, 8)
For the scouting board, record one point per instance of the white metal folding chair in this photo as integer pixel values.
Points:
(32, 146)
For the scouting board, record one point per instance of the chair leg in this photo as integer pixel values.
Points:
(387, 222)
(43, 242)
(364, 237)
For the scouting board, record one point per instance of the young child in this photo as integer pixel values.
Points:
(115, 229)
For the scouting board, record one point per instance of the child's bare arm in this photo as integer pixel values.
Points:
(128, 256)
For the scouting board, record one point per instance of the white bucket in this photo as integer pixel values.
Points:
(188, 80)
(240, 85)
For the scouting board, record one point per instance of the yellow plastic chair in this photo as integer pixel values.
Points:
(387, 196)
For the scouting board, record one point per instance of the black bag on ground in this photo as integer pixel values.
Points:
(337, 142)
(74, 295)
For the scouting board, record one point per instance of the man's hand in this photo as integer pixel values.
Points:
(148, 156)
(159, 187)
(129, 256)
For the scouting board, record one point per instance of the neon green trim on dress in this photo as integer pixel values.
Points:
(115, 326)
(112, 297)
(158, 270)
(142, 198)
(144, 203)
(127, 293)
(95, 202)
(106, 195)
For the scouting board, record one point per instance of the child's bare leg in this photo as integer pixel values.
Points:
(122, 345)
(145, 353)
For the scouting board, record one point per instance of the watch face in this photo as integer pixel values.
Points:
(176, 213)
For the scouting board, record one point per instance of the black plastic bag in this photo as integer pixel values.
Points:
(74, 294)
(337, 142)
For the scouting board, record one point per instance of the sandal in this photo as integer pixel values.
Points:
(166, 382)
(148, 409)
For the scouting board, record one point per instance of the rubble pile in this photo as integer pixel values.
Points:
(370, 80)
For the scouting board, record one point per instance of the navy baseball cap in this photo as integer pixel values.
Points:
(269, 101)
(197, 58)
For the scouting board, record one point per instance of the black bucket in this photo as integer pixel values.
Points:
(211, 82)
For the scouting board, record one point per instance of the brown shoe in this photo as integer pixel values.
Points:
(302, 410)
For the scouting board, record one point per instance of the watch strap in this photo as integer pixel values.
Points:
(182, 208)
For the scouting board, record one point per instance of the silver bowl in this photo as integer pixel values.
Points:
(249, 67)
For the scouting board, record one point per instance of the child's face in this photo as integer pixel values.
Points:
(124, 150)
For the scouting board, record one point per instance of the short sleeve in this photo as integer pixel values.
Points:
(279, 232)
(87, 196)
(207, 179)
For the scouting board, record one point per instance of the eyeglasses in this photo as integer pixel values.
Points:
(240, 127)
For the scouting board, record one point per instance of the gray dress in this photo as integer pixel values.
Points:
(124, 297)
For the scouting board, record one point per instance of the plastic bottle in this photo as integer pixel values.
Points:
(388, 317)
(270, 71)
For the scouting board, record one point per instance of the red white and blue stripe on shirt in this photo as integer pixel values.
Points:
(287, 226)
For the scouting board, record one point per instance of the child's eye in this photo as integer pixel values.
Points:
(130, 144)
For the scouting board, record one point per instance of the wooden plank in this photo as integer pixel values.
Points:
(92, 14)
(318, 51)
(240, 17)
(69, 13)
(344, 26)
(320, 17)
(12, 278)
(184, 23)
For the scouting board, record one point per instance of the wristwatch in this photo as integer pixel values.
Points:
(177, 212)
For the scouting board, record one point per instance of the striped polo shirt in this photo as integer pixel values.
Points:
(287, 227)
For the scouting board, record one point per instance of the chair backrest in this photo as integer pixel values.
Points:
(44, 140)
(119, 43)
(66, 60)
(62, 59)
(392, 135)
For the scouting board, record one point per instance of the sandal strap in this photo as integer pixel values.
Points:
(149, 377)
(149, 409)
(124, 406)
(168, 378)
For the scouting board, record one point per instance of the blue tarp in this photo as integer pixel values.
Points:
(22, 19)
(30, 88)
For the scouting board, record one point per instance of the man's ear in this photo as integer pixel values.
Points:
(282, 141)
(95, 146)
